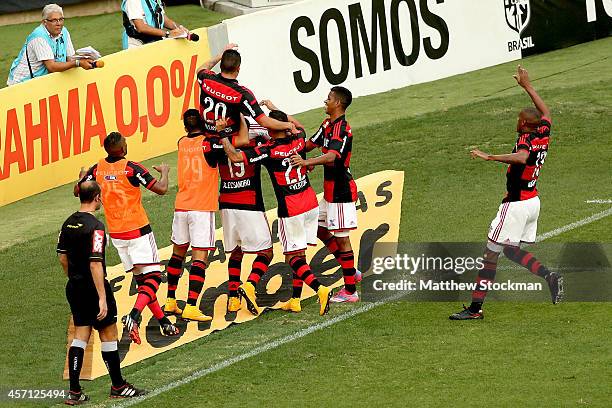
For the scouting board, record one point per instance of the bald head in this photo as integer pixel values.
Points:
(528, 120)
(532, 116)
(88, 191)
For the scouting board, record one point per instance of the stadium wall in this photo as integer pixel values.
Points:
(293, 54)
(373, 46)
(53, 125)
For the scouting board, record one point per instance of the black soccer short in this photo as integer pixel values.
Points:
(83, 300)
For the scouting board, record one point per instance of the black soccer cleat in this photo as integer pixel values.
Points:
(467, 314)
(127, 390)
(555, 284)
(76, 398)
(169, 329)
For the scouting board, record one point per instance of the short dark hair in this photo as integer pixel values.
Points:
(279, 115)
(192, 120)
(344, 95)
(112, 142)
(533, 116)
(88, 190)
(230, 61)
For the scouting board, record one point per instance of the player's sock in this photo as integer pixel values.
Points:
(486, 274)
(173, 272)
(149, 282)
(527, 260)
(297, 287)
(110, 355)
(197, 274)
(347, 262)
(146, 287)
(260, 267)
(233, 268)
(75, 362)
(303, 271)
(332, 245)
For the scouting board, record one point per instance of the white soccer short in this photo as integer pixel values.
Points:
(338, 218)
(516, 222)
(297, 232)
(194, 227)
(246, 229)
(139, 252)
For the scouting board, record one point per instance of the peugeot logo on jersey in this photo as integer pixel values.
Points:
(110, 177)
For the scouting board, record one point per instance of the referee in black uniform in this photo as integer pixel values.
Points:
(80, 247)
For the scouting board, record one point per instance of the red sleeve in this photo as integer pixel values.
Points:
(544, 128)
(337, 142)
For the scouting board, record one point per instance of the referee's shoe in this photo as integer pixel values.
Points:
(127, 390)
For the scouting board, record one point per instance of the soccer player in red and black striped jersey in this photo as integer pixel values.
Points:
(245, 226)
(337, 210)
(222, 97)
(517, 218)
(297, 205)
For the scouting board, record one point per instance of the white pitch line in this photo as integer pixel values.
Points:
(598, 201)
(316, 327)
(257, 350)
(574, 225)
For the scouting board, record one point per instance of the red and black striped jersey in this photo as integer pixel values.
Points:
(241, 183)
(291, 185)
(225, 98)
(337, 137)
(521, 179)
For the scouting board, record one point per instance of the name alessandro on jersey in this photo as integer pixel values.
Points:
(237, 184)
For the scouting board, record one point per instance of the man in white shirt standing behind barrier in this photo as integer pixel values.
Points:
(47, 49)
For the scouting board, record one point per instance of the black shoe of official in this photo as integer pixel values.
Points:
(127, 390)
(76, 398)
(555, 284)
(467, 314)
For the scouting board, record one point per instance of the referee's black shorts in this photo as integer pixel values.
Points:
(83, 300)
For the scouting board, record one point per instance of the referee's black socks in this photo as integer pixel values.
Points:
(75, 362)
(110, 355)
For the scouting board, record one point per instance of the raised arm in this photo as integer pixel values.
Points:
(242, 139)
(161, 186)
(234, 155)
(274, 124)
(522, 78)
(208, 65)
(268, 104)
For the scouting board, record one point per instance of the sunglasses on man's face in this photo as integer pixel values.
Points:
(55, 20)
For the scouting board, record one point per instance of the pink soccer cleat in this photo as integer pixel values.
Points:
(343, 296)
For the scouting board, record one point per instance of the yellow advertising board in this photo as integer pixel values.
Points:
(378, 216)
(53, 125)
